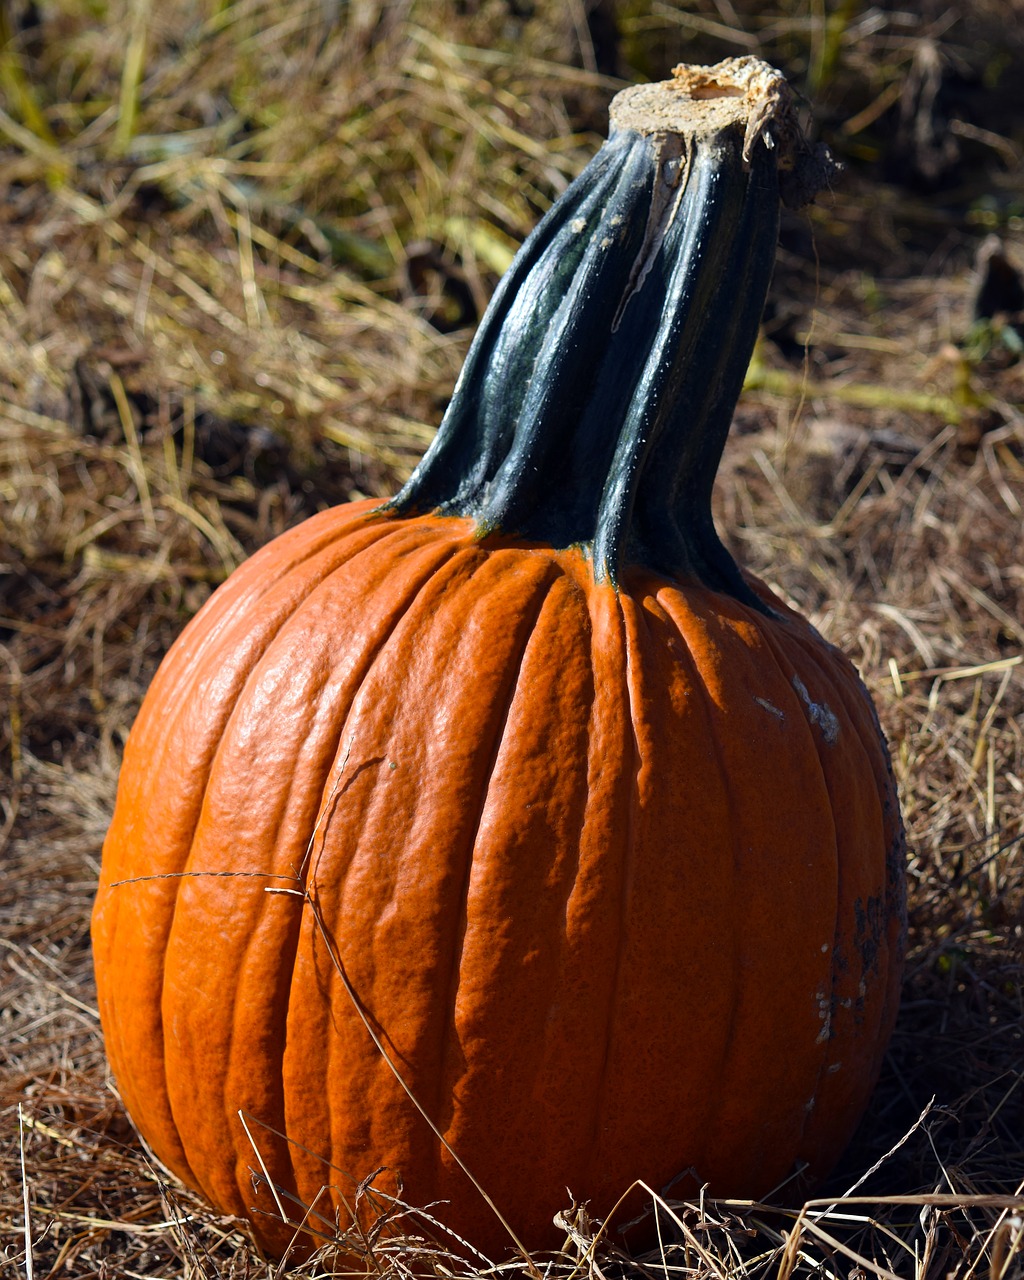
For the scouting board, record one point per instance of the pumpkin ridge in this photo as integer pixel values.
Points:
(434, 552)
(444, 610)
(519, 1021)
(665, 600)
(864, 716)
(267, 1128)
(445, 1103)
(566, 938)
(800, 634)
(826, 992)
(771, 637)
(627, 768)
(748, 1028)
(457, 553)
(215, 633)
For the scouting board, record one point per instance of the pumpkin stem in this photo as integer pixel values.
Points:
(595, 401)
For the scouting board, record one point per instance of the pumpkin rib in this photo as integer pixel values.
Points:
(590, 927)
(410, 811)
(457, 556)
(773, 636)
(524, 866)
(752, 868)
(695, 682)
(800, 635)
(577, 725)
(444, 1104)
(628, 794)
(841, 677)
(226, 630)
(736, 957)
(424, 558)
(700, 683)
(502, 869)
(862, 714)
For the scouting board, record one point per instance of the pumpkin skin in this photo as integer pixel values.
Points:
(612, 861)
(593, 953)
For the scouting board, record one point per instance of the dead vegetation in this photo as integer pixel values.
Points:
(243, 247)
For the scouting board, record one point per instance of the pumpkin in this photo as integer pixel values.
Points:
(515, 796)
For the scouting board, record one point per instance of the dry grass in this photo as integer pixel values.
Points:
(243, 247)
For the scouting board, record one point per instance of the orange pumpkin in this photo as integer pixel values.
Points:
(521, 772)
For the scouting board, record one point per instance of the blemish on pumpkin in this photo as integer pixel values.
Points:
(833, 1067)
(825, 1014)
(763, 702)
(840, 962)
(870, 918)
(578, 225)
(820, 713)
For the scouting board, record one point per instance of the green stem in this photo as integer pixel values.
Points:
(597, 396)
